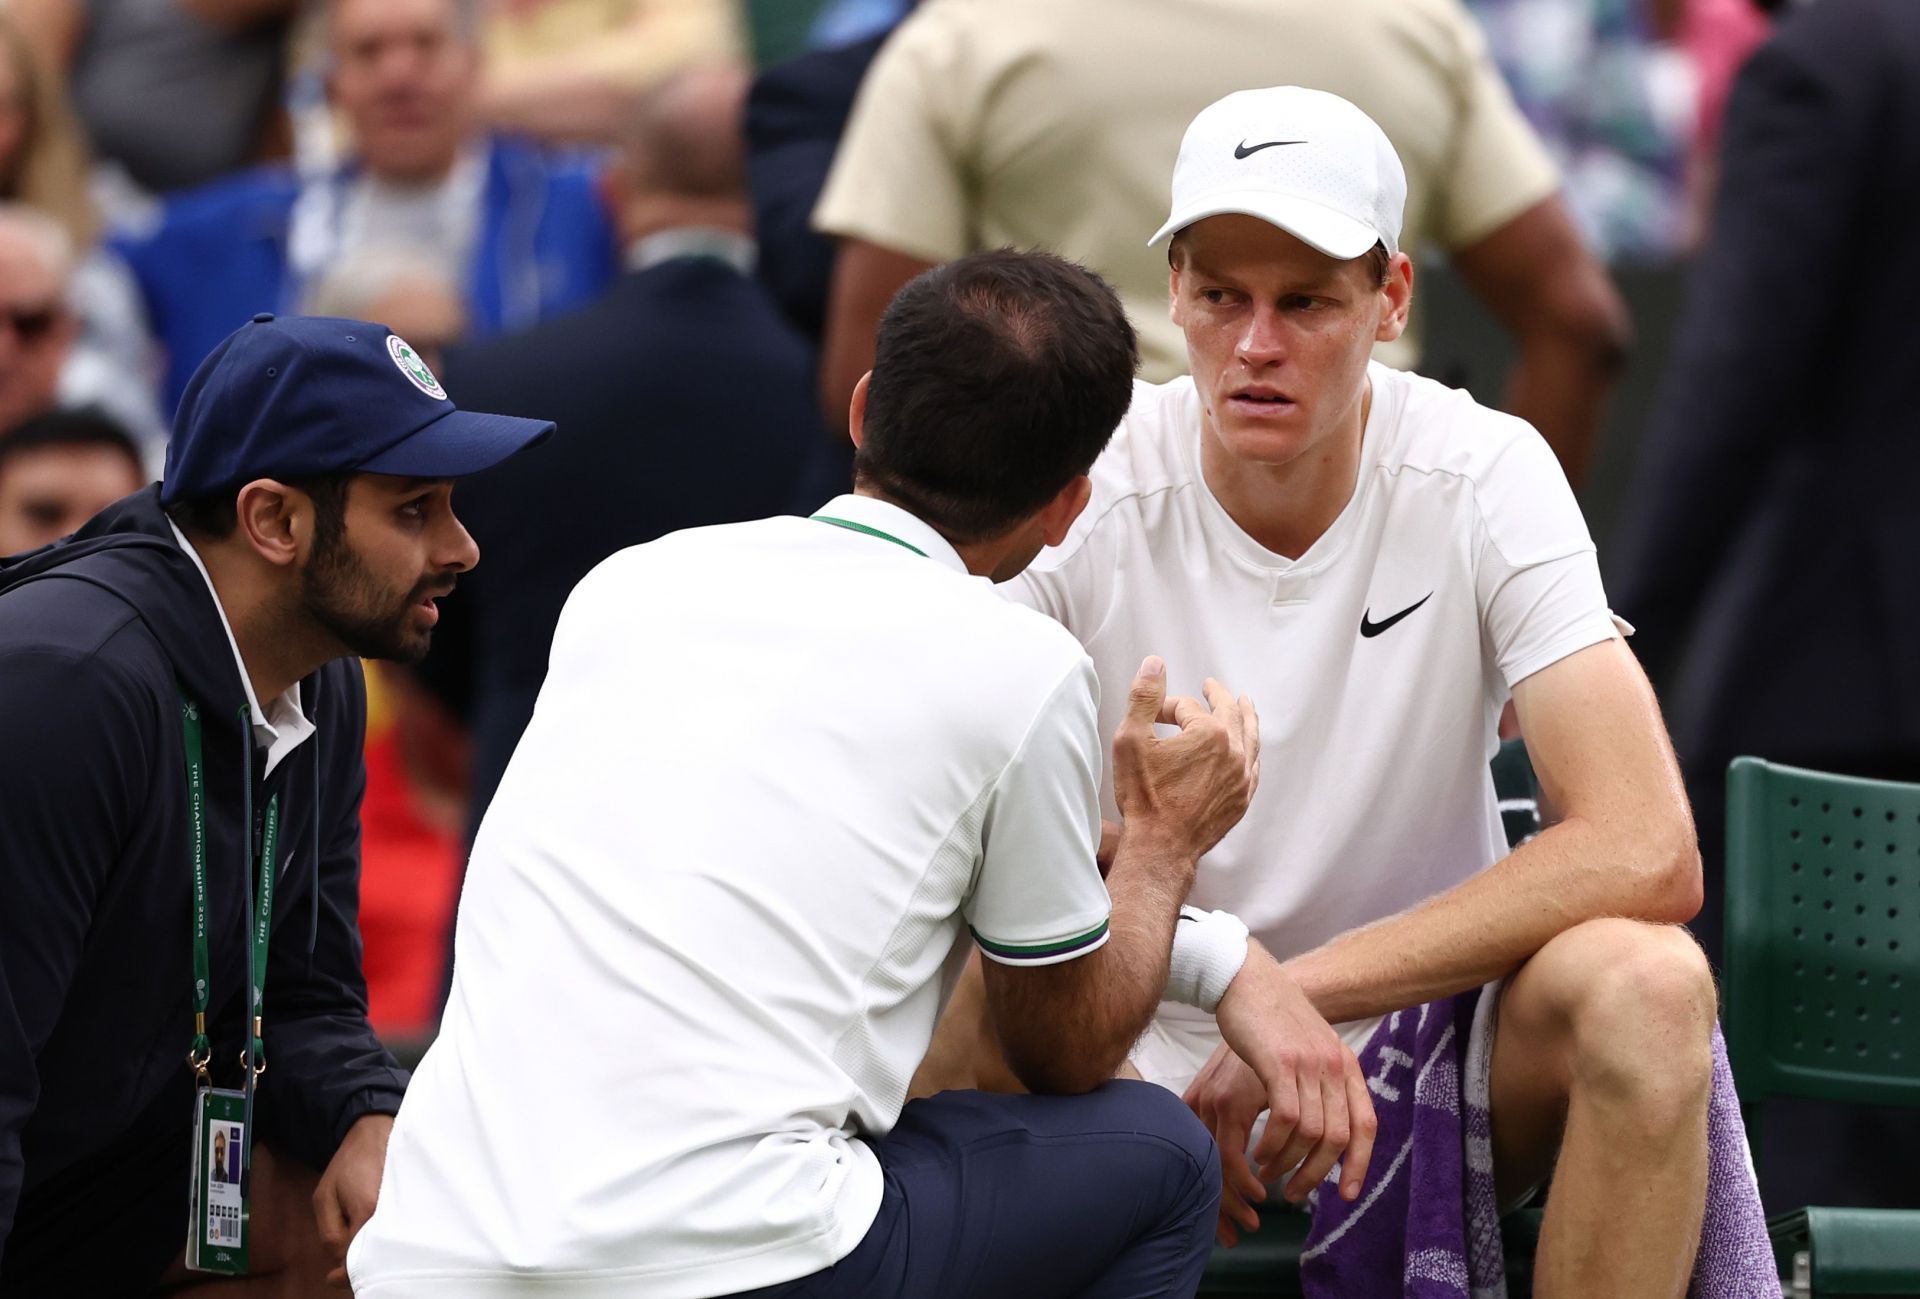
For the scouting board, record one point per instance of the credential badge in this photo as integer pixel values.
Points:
(413, 367)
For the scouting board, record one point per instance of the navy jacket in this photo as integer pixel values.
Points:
(237, 246)
(682, 399)
(796, 114)
(1769, 556)
(98, 635)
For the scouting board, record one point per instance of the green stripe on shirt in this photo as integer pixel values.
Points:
(1017, 951)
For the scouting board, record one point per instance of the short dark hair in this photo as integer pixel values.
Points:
(215, 515)
(997, 379)
(86, 426)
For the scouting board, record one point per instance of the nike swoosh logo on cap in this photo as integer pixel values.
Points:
(1245, 150)
(1370, 629)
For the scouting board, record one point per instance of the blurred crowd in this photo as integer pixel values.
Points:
(672, 225)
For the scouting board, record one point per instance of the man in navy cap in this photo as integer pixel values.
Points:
(181, 716)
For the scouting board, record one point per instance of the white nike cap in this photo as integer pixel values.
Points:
(1304, 160)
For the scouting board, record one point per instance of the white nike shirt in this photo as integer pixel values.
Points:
(1465, 556)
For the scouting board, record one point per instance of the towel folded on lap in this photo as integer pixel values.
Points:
(1427, 1224)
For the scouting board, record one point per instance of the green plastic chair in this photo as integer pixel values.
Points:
(1822, 986)
(1867, 1252)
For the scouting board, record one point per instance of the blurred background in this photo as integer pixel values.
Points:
(1666, 231)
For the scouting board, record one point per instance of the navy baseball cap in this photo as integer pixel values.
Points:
(300, 396)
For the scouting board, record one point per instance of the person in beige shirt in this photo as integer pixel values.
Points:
(1001, 122)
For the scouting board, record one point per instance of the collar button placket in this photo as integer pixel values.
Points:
(1291, 588)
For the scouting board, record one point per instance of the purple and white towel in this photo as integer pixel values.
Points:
(1427, 1225)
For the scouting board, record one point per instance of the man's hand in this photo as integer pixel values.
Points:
(1192, 787)
(1280, 1056)
(350, 1187)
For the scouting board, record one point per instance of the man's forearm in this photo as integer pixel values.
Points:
(1559, 385)
(1485, 927)
(1067, 1027)
(1114, 990)
(1541, 282)
(1150, 878)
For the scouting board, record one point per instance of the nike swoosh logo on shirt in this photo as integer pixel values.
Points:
(1245, 150)
(1370, 629)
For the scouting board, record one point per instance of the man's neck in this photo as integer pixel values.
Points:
(982, 558)
(426, 177)
(1288, 507)
(730, 248)
(273, 653)
(650, 214)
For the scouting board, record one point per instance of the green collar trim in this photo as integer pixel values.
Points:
(851, 526)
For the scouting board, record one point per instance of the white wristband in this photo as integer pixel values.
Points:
(1209, 947)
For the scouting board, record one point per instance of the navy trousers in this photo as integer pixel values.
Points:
(1111, 1195)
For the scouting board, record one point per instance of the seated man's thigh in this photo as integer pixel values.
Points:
(1603, 1003)
(1114, 1192)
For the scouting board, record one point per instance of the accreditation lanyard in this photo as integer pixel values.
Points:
(253, 1055)
(851, 526)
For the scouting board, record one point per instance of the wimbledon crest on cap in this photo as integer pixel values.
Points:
(413, 367)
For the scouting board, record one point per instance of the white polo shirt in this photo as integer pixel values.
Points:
(1380, 659)
(776, 771)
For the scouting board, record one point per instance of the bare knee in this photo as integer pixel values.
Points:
(1642, 1016)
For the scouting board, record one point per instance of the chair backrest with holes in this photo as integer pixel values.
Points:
(1822, 989)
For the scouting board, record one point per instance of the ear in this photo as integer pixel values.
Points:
(1173, 295)
(857, 412)
(1398, 291)
(275, 521)
(1056, 517)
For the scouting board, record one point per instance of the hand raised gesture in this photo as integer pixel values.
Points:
(1193, 787)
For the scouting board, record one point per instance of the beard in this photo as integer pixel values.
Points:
(372, 620)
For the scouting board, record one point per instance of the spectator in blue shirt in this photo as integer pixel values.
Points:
(523, 232)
